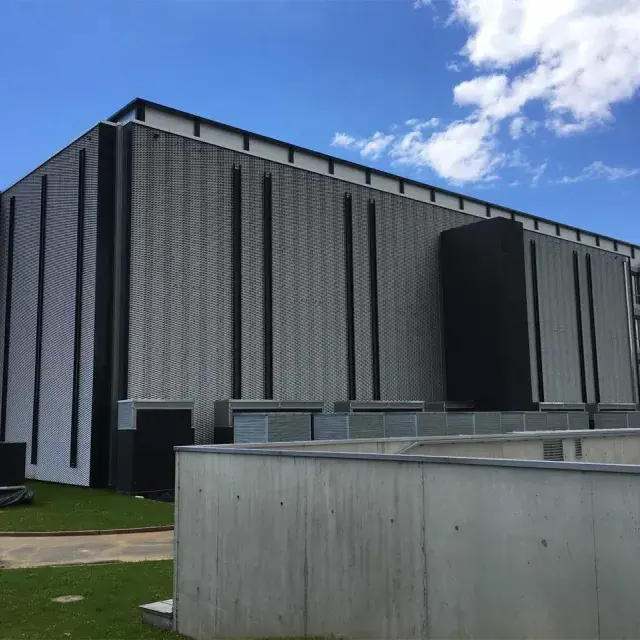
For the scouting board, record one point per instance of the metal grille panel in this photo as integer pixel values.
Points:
(514, 422)
(552, 450)
(366, 425)
(249, 427)
(633, 420)
(557, 421)
(431, 424)
(459, 424)
(578, 420)
(535, 421)
(58, 313)
(288, 427)
(400, 425)
(486, 423)
(330, 426)
(610, 420)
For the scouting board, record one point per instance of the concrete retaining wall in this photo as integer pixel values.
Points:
(370, 546)
(620, 446)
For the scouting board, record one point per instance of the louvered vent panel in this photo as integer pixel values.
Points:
(552, 450)
(459, 424)
(330, 426)
(366, 425)
(486, 423)
(399, 425)
(431, 424)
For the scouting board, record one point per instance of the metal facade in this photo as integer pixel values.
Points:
(559, 317)
(181, 281)
(58, 321)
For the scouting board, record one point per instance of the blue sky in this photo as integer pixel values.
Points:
(530, 104)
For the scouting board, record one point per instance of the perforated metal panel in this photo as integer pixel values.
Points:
(180, 294)
(58, 313)
(431, 424)
(180, 320)
(330, 426)
(557, 421)
(612, 420)
(249, 427)
(514, 422)
(535, 421)
(288, 427)
(400, 425)
(366, 425)
(578, 420)
(459, 424)
(411, 347)
(487, 422)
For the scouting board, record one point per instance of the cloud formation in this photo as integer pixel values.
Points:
(574, 58)
(600, 171)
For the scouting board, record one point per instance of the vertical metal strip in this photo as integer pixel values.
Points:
(630, 319)
(536, 319)
(236, 261)
(348, 268)
(7, 321)
(108, 311)
(267, 284)
(576, 280)
(35, 423)
(373, 295)
(75, 391)
(592, 319)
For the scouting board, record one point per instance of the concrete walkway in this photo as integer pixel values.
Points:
(125, 547)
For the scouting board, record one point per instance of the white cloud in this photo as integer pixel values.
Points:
(454, 66)
(462, 152)
(516, 160)
(374, 146)
(371, 147)
(520, 126)
(342, 140)
(600, 171)
(574, 58)
(418, 4)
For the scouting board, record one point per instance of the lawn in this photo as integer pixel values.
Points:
(109, 609)
(59, 507)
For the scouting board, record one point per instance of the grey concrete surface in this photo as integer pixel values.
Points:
(22, 552)
(611, 446)
(374, 546)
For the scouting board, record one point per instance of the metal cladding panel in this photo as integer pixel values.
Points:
(362, 294)
(533, 356)
(288, 427)
(252, 284)
(487, 422)
(330, 426)
(309, 299)
(459, 424)
(558, 321)
(578, 420)
(557, 421)
(633, 420)
(366, 425)
(410, 310)
(534, 421)
(612, 328)
(431, 424)
(4, 265)
(513, 422)
(249, 427)
(125, 415)
(400, 425)
(180, 326)
(57, 362)
(612, 420)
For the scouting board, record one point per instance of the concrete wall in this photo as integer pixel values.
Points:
(607, 446)
(366, 546)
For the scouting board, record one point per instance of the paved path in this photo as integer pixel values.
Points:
(124, 547)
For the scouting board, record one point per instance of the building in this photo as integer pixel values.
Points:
(164, 255)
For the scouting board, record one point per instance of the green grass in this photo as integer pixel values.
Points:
(112, 594)
(59, 507)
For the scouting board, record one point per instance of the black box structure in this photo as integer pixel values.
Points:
(12, 464)
(148, 431)
(162, 254)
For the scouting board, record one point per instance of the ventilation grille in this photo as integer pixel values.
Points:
(552, 450)
(578, 445)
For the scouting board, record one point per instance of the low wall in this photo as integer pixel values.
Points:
(619, 446)
(275, 543)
